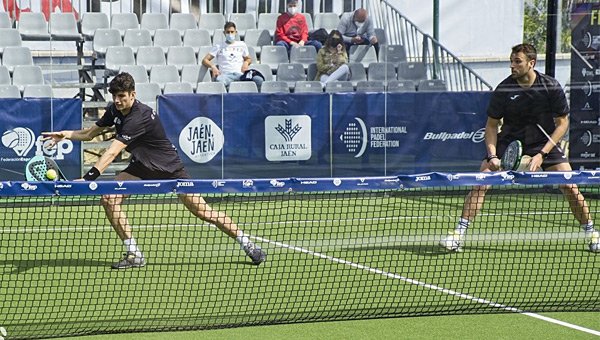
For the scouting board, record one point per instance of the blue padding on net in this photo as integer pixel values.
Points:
(424, 180)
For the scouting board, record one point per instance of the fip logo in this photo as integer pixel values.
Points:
(19, 139)
(22, 139)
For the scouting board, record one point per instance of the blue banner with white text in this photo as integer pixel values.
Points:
(326, 135)
(23, 121)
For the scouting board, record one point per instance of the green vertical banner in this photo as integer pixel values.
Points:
(584, 133)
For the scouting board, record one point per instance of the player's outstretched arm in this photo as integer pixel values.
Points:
(80, 135)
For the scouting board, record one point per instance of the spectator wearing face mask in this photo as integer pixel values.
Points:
(358, 29)
(332, 60)
(291, 29)
(233, 58)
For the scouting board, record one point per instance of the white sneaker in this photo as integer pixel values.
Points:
(594, 245)
(453, 242)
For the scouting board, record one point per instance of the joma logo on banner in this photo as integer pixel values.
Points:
(288, 138)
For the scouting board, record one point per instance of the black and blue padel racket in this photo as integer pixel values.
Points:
(37, 169)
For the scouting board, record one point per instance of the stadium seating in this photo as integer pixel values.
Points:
(275, 87)
(392, 53)
(27, 75)
(10, 37)
(382, 71)
(431, 85)
(9, 91)
(181, 56)
(117, 56)
(33, 26)
(311, 71)
(412, 71)
(162, 74)
(63, 27)
(304, 55)
(124, 21)
(328, 21)
(357, 72)
(273, 56)
(370, 86)
(178, 88)
(290, 73)
(401, 86)
(257, 38)
(243, 87)
(194, 74)
(5, 20)
(150, 56)
(211, 88)
(268, 21)
(147, 93)
(264, 69)
(37, 91)
(243, 22)
(154, 21)
(166, 38)
(183, 22)
(138, 72)
(105, 38)
(381, 37)
(309, 21)
(364, 54)
(307, 86)
(13, 56)
(252, 54)
(211, 22)
(92, 21)
(339, 86)
(196, 38)
(135, 38)
(4, 76)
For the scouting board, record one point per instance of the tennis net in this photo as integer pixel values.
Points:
(337, 249)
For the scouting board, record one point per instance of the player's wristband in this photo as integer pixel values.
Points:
(490, 157)
(92, 174)
(544, 154)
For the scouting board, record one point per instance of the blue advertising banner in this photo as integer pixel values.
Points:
(249, 135)
(326, 135)
(23, 122)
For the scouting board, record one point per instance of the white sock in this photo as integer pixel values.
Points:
(462, 226)
(243, 240)
(588, 227)
(132, 247)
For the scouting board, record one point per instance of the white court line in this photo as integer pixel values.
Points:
(430, 286)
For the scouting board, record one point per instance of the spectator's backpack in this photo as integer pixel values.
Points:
(319, 35)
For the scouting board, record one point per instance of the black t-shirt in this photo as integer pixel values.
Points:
(143, 133)
(524, 108)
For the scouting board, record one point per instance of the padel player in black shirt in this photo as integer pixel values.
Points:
(140, 132)
(525, 100)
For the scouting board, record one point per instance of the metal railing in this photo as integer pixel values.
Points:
(421, 47)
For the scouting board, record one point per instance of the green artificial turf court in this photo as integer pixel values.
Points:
(331, 257)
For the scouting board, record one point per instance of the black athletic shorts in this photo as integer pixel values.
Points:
(554, 156)
(138, 170)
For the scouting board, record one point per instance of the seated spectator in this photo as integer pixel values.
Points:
(332, 60)
(291, 29)
(358, 29)
(233, 59)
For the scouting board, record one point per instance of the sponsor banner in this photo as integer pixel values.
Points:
(416, 132)
(23, 121)
(584, 133)
(312, 184)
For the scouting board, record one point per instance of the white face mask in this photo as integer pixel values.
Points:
(292, 10)
(230, 37)
(359, 25)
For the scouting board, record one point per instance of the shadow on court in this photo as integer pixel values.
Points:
(21, 266)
